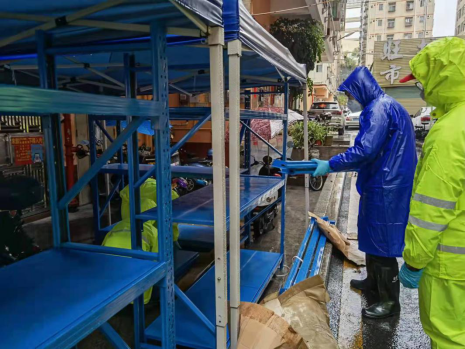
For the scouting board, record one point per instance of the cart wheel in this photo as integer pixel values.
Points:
(190, 185)
(316, 183)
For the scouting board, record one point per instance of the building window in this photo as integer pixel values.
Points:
(410, 5)
(380, 22)
(390, 37)
(422, 3)
(391, 22)
(392, 7)
(408, 35)
(319, 68)
(421, 34)
(422, 19)
(378, 37)
(408, 21)
(381, 7)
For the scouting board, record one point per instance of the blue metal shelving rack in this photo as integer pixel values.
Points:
(58, 297)
(125, 279)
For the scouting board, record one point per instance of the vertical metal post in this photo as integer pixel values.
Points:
(51, 125)
(134, 197)
(107, 176)
(235, 53)
(94, 181)
(307, 178)
(283, 196)
(120, 152)
(163, 174)
(216, 43)
(247, 147)
(248, 166)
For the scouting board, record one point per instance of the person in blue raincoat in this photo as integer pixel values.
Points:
(384, 155)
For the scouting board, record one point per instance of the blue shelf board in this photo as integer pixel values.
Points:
(257, 269)
(20, 99)
(197, 207)
(176, 171)
(56, 298)
(185, 113)
(196, 237)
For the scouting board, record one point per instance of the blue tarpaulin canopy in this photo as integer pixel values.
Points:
(70, 18)
(188, 57)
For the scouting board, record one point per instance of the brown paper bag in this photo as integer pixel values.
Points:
(303, 306)
(261, 328)
(333, 234)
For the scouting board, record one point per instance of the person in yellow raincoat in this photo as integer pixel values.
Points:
(148, 200)
(120, 235)
(435, 235)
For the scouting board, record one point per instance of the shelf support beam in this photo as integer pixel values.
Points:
(283, 196)
(163, 175)
(53, 139)
(102, 160)
(307, 178)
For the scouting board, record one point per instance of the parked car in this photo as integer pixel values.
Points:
(337, 116)
(353, 120)
(422, 119)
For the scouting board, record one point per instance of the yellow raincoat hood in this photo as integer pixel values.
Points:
(440, 67)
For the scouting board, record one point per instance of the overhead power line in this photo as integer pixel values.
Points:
(360, 2)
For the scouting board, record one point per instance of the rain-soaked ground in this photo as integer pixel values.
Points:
(348, 326)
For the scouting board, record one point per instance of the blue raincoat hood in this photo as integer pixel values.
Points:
(384, 154)
(362, 85)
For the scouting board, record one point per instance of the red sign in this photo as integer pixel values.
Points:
(28, 150)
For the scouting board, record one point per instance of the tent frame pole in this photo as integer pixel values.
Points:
(235, 53)
(216, 43)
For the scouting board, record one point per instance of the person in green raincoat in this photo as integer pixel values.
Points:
(434, 251)
(120, 235)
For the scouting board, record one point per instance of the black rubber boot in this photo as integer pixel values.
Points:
(389, 290)
(368, 284)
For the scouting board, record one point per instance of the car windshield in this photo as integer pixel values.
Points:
(324, 105)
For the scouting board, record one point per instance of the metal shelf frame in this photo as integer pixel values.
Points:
(134, 112)
(49, 102)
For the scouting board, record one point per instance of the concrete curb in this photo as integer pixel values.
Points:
(329, 204)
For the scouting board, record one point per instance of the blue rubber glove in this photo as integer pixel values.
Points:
(409, 278)
(322, 167)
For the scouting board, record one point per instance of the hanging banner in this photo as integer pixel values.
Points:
(27, 150)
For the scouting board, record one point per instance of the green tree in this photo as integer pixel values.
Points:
(303, 38)
(342, 99)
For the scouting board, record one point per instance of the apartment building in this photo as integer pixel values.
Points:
(394, 20)
(460, 24)
(325, 82)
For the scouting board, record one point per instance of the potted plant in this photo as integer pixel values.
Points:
(317, 135)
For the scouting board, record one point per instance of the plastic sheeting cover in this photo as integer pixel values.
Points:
(207, 9)
(239, 24)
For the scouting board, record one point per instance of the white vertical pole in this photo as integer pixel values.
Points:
(216, 43)
(235, 53)
(307, 177)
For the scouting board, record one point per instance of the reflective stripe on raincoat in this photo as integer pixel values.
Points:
(120, 237)
(435, 235)
(385, 157)
(148, 200)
